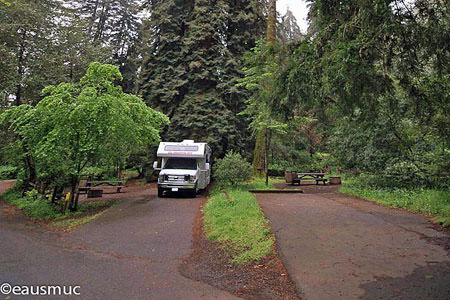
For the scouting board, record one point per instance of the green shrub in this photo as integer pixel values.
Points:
(8, 172)
(232, 170)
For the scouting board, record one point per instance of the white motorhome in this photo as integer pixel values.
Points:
(185, 167)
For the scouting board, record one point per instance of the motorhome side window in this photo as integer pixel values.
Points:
(181, 163)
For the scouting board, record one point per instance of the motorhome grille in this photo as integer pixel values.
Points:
(175, 178)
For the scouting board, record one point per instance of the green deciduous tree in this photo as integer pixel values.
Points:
(87, 125)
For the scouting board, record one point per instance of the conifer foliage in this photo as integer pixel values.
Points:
(114, 25)
(194, 51)
(163, 81)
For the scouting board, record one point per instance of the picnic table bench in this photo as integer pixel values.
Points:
(298, 177)
(94, 188)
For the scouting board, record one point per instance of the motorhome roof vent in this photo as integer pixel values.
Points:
(188, 141)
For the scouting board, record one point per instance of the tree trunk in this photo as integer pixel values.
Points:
(272, 22)
(119, 170)
(141, 172)
(55, 191)
(258, 155)
(30, 170)
(93, 16)
(18, 99)
(73, 191)
(20, 69)
(102, 21)
(266, 154)
(261, 137)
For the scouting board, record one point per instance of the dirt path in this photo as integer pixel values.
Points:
(338, 247)
(132, 251)
(5, 184)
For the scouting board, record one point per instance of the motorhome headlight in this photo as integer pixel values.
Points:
(162, 178)
(190, 178)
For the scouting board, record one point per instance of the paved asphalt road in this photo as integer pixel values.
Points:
(338, 247)
(132, 251)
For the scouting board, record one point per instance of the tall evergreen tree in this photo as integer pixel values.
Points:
(115, 25)
(27, 29)
(194, 51)
(202, 111)
(163, 81)
(290, 31)
(245, 25)
(75, 49)
(126, 41)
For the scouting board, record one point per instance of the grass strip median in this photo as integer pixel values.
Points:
(232, 217)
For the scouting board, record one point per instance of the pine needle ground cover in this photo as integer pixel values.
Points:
(431, 202)
(232, 217)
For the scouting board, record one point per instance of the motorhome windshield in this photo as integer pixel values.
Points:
(181, 163)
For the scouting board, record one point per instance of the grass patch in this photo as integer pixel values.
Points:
(430, 202)
(259, 184)
(69, 224)
(233, 218)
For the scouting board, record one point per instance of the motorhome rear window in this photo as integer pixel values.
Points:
(181, 148)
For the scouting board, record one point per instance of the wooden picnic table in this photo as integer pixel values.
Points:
(94, 188)
(104, 182)
(298, 177)
(313, 175)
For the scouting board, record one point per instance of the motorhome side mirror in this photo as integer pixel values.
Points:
(155, 165)
(207, 166)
